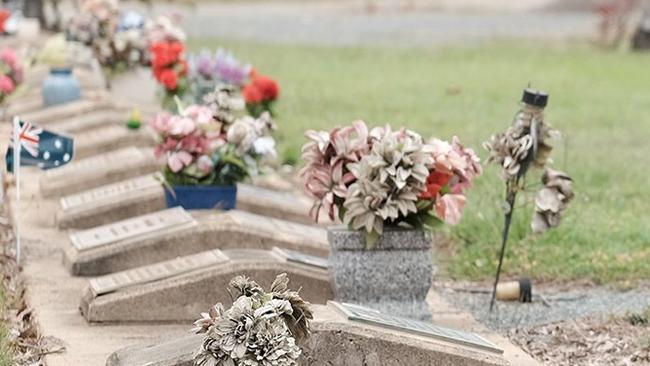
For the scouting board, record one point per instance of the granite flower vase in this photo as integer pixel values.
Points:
(202, 197)
(60, 87)
(394, 277)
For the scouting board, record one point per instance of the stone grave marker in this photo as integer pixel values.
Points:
(98, 170)
(369, 316)
(338, 339)
(90, 121)
(145, 194)
(130, 228)
(290, 206)
(47, 115)
(112, 202)
(108, 138)
(213, 230)
(181, 288)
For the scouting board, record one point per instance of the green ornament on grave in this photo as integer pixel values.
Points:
(135, 120)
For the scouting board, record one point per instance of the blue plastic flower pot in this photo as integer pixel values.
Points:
(202, 197)
(60, 87)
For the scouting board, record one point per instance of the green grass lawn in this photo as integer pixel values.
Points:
(599, 99)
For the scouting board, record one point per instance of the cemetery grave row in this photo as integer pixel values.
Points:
(149, 263)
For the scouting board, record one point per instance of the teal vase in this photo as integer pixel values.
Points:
(60, 87)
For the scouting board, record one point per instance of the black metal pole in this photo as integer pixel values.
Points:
(510, 199)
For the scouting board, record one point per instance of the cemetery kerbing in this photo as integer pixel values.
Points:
(280, 183)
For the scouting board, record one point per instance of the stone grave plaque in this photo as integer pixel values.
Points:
(87, 122)
(110, 167)
(212, 230)
(335, 340)
(130, 228)
(106, 194)
(82, 165)
(181, 288)
(155, 272)
(302, 258)
(290, 206)
(108, 138)
(280, 227)
(373, 317)
(51, 114)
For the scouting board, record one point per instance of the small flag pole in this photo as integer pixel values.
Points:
(17, 146)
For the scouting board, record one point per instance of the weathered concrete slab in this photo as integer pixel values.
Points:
(98, 170)
(110, 137)
(181, 288)
(110, 203)
(144, 194)
(94, 251)
(90, 121)
(68, 110)
(287, 205)
(338, 340)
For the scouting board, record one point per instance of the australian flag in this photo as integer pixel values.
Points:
(41, 148)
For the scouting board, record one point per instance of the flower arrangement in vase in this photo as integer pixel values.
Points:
(116, 39)
(11, 72)
(204, 159)
(377, 178)
(390, 188)
(260, 94)
(260, 329)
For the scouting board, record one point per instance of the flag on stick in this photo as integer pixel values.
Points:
(31, 145)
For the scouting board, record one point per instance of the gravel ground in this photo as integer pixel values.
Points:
(622, 340)
(563, 305)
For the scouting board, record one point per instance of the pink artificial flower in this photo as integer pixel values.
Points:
(161, 123)
(161, 149)
(195, 144)
(449, 208)
(177, 160)
(472, 167)
(199, 113)
(181, 125)
(8, 56)
(205, 164)
(445, 158)
(6, 84)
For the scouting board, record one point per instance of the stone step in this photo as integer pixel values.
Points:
(145, 194)
(98, 170)
(181, 288)
(339, 338)
(170, 233)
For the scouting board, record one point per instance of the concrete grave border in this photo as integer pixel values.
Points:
(183, 287)
(213, 230)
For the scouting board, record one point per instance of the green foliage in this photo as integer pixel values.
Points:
(598, 99)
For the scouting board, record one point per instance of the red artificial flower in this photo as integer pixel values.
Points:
(4, 15)
(261, 89)
(435, 182)
(169, 79)
(268, 87)
(252, 94)
(166, 53)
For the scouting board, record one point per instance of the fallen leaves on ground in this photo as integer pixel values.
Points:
(621, 340)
